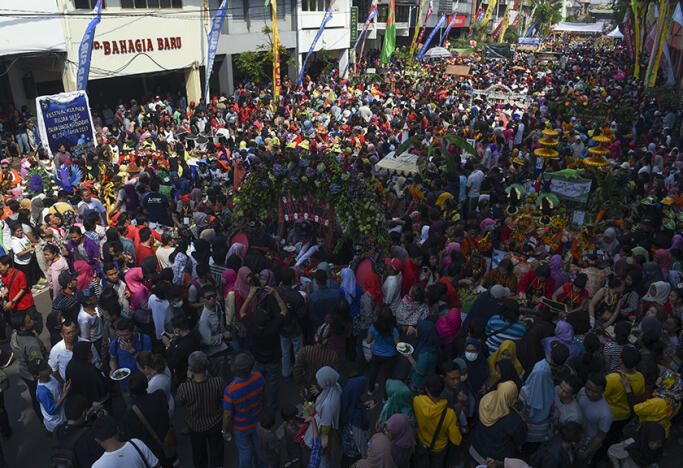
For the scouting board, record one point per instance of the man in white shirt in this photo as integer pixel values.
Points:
(131, 454)
(474, 181)
(391, 288)
(62, 352)
(88, 203)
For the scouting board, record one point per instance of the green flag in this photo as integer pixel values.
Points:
(389, 37)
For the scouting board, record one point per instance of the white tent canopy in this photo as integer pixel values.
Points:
(404, 164)
(30, 26)
(616, 33)
(595, 28)
(437, 52)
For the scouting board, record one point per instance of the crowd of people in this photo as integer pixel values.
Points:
(490, 330)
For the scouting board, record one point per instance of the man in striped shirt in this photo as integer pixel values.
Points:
(504, 326)
(201, 396)
(242, 405)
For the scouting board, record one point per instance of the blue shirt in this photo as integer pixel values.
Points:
(125, 359)
(383, 345)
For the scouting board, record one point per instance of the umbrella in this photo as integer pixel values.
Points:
(437, 52)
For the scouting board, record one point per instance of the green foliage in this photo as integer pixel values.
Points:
(668, 97)
(511, 36)
(257, 65)
(547, 10)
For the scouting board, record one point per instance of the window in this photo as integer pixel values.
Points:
(150, 4)
(86, 4)
(313, 5)
(402, 13)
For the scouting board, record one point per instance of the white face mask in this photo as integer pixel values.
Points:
(471, 356)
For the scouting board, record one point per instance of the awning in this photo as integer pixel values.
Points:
(594, 28)
(405, 164)
(30, 26)
(616, 33)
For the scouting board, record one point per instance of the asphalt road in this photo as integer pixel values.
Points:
(30, 444)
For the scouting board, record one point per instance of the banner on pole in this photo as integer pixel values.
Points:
(328, 17)
(65, 119)
(214, 35)
(85, 49)
(442, 21)
(569, 188)
(354, 24)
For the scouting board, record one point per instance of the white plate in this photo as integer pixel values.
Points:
(122, 369)
(405, 353)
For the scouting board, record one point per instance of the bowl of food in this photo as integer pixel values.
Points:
(120, 374)
(404, 348)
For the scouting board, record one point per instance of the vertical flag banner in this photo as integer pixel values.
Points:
(504, 23)
(328, 17)
(450, 23)
(389, 43)
(442, 21)
(496, 32)
(276, 53)
(430, 10)
(489, 12)
(413, 44)
(214, 35)
(478, 17)
(371, 16)
(663, 22)
(85, 49)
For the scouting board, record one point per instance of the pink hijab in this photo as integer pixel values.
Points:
(450, 248)
(85, 274)
(242, 285)
(663, 259)
(449, 325)
(230, 277)
(138, 291)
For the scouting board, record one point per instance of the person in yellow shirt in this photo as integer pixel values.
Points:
(436, 424)
(625, 385)
(665, 402)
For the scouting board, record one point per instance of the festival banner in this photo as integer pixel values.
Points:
(326, 19)
(532, 29)
(354, 24)
(441, 22)
(65, 119)
(529, 20)
(373, 14)
(636, 30)
(413, 44)
(505, 22)
(569, 188)
(430, 10)
(85, 49)
(489, 12)
(626, 28)
(214, 35)
(663, 22)
(479, 16)
(451, 23)
(389, 43)
(276, 53)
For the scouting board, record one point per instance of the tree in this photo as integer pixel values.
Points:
(547, 10)
(257, 65)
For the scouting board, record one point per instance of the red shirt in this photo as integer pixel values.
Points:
(142, 252)
(15, 284)
(452, 299)
(530, 282)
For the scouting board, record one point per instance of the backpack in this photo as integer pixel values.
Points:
(63, 453)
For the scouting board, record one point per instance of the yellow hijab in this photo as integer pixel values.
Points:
(496, 404)
(506, 345)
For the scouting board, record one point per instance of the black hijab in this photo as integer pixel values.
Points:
(85, 378)
(640, 450)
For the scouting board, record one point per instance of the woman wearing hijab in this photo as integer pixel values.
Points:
(658, 292)
(379, 453)
(556, 270)
(241, 288)
(139, 294)
(350, 290)
(353, 420)
(663, 260)
(327, 409)
(645, 450)
(477, 368)
(564, 333)
(652, 274)
(85, 277)
(85, 378)
(608, 242)
(500, 431)
(508, 351)
(399, 431)
(449, 327)
(423, 360)
(399, 401)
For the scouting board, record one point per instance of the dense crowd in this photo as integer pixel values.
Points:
(490, 330)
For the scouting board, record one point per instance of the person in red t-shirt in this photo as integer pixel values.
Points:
(411, 269)
(449, 280)
(17, 295)
(144, 248)
(537, 284)
(574, 295)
